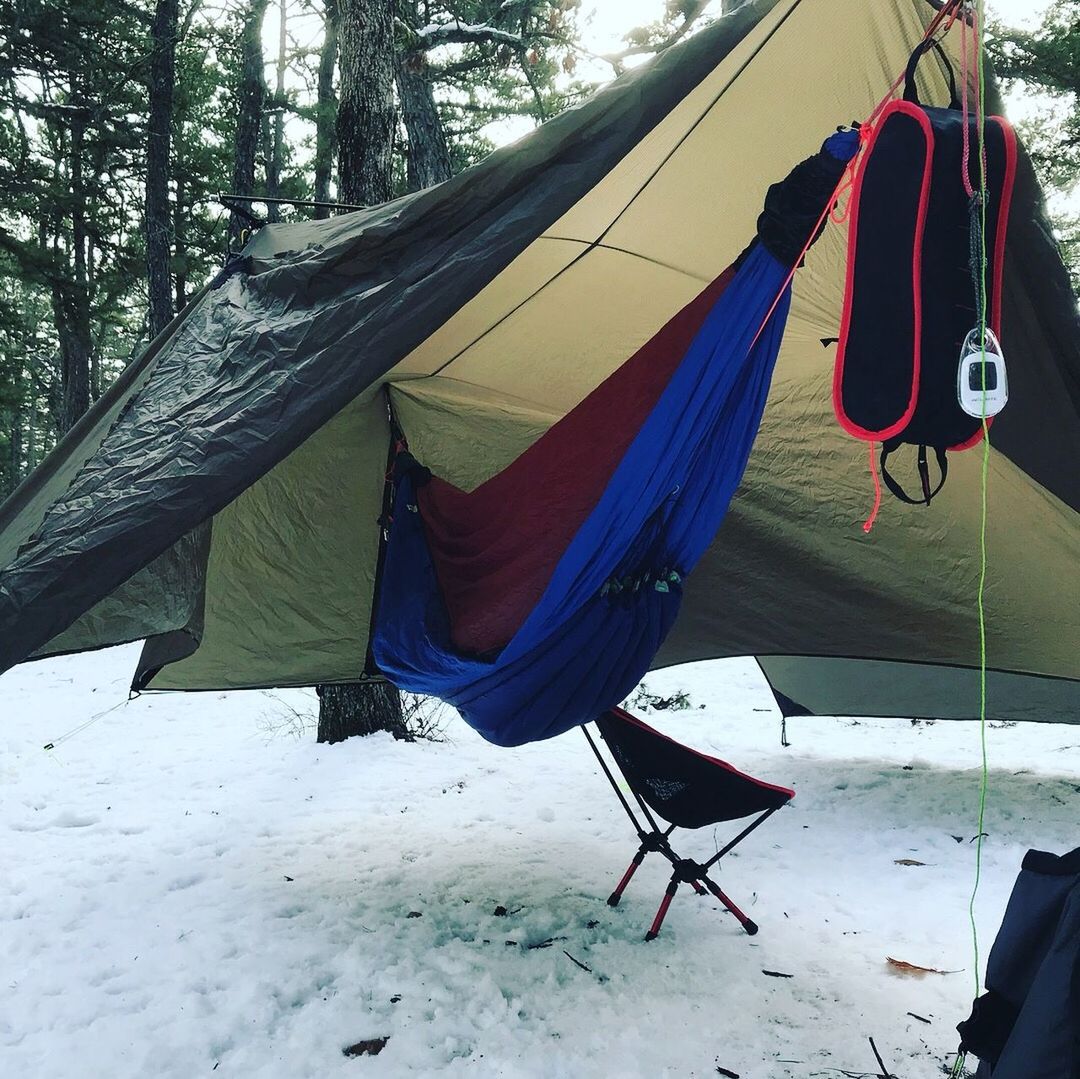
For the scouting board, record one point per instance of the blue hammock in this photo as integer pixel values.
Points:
(616, 590)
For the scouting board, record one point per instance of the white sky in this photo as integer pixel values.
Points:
(603, 24)
(608, 20)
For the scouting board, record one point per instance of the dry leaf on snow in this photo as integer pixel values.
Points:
(898, 966)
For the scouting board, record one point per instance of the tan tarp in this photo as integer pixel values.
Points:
(288, 584)
(792, 563)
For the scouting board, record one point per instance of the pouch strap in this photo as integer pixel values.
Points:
(924, 475)
(910, 93)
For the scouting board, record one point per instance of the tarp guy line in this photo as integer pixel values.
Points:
(652, 176)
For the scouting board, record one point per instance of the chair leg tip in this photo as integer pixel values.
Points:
(613, 900)
(651, 935)
(750, 927)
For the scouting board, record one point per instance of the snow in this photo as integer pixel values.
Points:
(457, 32)
(192, 885)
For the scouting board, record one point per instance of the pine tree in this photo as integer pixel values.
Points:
(159, 224)
(250, 97)
(326, 107)
(1046, 59)
(365, 136)
(366, 113)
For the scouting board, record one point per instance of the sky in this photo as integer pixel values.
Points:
(608, 20)
(604, 23)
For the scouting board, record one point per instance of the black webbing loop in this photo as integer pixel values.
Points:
(924, 476)
(910, 92)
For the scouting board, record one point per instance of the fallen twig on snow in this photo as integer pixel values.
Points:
(368, 1047)
(881, 1063)
(543, 943)
(577, 962)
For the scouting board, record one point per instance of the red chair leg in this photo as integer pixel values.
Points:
(613, 899)
(747, 924)
(658, 921)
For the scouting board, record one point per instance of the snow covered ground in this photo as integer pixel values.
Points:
(189, 887)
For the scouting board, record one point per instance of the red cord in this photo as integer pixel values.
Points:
(839, 214)
(951, 10)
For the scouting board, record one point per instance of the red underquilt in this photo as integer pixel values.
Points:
(496, 547)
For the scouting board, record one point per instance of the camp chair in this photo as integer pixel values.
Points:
(687, 789)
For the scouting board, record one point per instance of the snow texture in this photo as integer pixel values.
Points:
(190, 887)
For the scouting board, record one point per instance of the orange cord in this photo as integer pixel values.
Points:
(869, 522)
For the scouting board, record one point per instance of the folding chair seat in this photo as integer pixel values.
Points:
(686, 789)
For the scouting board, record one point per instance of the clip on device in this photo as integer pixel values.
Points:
(982, 386)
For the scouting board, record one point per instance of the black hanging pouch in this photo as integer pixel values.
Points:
(909, 298)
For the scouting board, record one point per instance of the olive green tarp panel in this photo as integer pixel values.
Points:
(792, 568)
(292, 567)
(311, 317)
(856, 687)
(472, 433)
(163, 596)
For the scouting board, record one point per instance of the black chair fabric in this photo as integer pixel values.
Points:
(687, 788)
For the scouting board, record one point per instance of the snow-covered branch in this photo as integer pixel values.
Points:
(459, 33)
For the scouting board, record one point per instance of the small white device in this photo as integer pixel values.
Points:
(982, 386)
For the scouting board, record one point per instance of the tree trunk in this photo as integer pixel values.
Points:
(365, 132)
(95, 349)
(277, 150)
(73, 332)
(428, 157)
(71, 302)
(251, 95)
(15, 445)
(32, 427)
(359, 708)
(158, 239)
(180, 244)
(365, 119)
(326, 108)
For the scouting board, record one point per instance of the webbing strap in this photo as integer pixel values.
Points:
(924, 475)
(927, 45)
